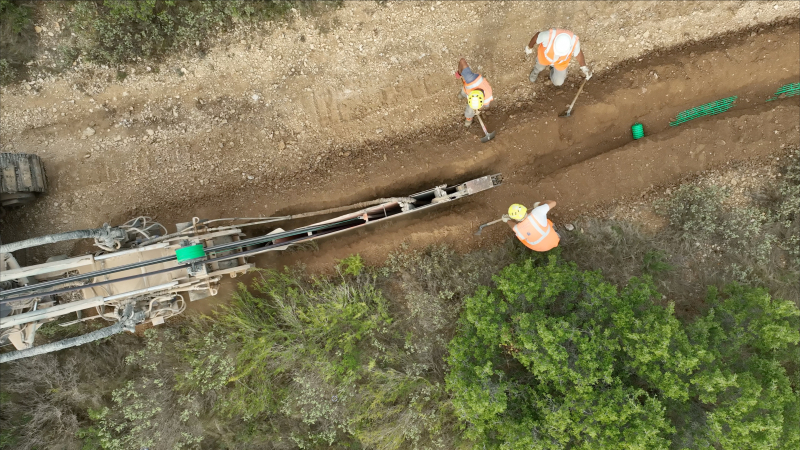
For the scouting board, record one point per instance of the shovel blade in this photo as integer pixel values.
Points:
(566, 113)
(488, 137)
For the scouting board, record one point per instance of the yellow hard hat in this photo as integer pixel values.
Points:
(517, 211)
(475, 99)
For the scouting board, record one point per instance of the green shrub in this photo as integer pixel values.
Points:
(352, 265)
(7, 73)
(558, 358)
(325, 363)
(17, 38)
(15, 14)
(125, 31)
(742, 391)
(148, 410)
(655, 262)
(555, 357)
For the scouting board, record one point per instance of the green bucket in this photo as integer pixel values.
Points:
(193, 252)
(638, 130)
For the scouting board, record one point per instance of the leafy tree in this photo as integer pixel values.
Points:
(558, 358)
(555, 357)
(745, 395)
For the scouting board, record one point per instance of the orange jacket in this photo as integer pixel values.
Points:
(482, 84)
(547, 55)
(536, 237)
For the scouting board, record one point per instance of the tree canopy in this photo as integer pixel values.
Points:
(555, 357)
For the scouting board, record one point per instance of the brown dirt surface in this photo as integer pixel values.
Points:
(360, 104)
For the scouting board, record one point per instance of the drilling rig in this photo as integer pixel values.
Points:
(143, 273)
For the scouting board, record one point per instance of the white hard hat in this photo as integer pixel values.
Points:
(562, 44)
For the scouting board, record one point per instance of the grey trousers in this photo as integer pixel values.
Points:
(469, 113)
(556, 76)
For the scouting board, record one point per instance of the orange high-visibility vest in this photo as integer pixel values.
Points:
(536, 237)
(547, 55)
(482, 84)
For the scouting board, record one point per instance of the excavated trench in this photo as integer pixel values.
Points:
(583, 162)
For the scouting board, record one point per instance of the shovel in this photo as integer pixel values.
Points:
(478, 233)
(489, 136)
(568, 112)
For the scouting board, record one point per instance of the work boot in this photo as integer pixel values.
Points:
(534, 74)
(467, 123)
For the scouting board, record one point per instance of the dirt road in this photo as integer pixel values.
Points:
(202, 150)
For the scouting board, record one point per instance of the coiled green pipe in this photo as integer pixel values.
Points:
(638, 130)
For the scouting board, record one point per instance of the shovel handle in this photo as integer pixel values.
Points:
(477, 233)
(576, 96)
(481, 121)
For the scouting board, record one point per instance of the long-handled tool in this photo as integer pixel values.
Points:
(568, 112)
(478, 233)
(489, 136)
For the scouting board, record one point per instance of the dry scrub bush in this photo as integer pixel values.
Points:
(153, 408)
(321, 362)
(707, 242)
(432, 284)
(124, 32)
(756, 243)
(622, 250)
(48, 398)
(45, 398)
(17, 38)
(121, 31)
(329, 361)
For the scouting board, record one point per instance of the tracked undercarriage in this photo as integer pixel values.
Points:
(22, 178)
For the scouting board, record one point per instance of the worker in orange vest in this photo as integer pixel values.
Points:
(535, 230)
(555, 48)
(475, 89)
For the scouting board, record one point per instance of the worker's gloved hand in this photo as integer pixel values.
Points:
(505, 218)
(528, 50)
(536, 204)
(586, 72)
(456, 74)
